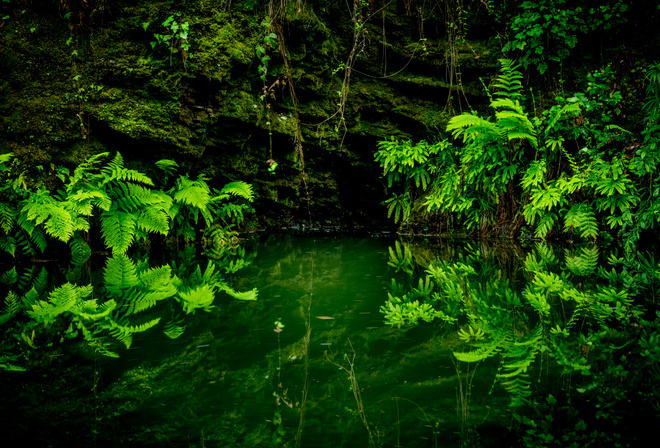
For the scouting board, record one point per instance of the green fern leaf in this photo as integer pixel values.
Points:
(200, 297)
(7, 217)
(544, 226)
(9, 277)
(584, 264)
(60, 300)
(80, 251)
(508, 82)
(11, 308)
(582, 218)
(246, 295)
(90, 310)
(118, 230)
(241, 189)
(120, 274)
(173, 330)
(153, 219)
(8, 244)
(192, 193)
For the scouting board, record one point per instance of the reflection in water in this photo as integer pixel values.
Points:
(333, 374)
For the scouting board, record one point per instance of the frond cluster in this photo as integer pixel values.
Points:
(133, 298)
(129, 205)
(559, 304)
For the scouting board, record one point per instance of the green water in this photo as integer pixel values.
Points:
(231, 380)
(311, 363)
(234, 381)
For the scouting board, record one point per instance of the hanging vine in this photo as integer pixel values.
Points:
(287, 81)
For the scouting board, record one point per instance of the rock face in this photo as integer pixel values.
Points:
(222, 87)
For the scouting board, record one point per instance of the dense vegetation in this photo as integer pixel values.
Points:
(293, 96)
(534, 120)
(110, 208)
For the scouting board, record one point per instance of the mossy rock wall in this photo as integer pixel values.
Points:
(82, 77)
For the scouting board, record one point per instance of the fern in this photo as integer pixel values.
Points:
(401, 258)
(194, 193)
(120, 274)
(8, 215)
(123, 332)
(486, 349)
(472, 126)
(11, 307)
(245, 295)
(241, 189)
(544, 226)
(168, 166)
(9, 277)
(60, 300)
(80, 250)
(399, 208)
(174, 329)
(8, 245)
(118, 229)
(193, 299)
(584, 264)
(508, 82)
(583, 219)
(40, 209)
(115, 170)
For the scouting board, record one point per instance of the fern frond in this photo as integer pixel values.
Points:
(120, 274)
(167, 165)
(241, 189)
(80, 251)
(11, 308)
(118, 230)
(194, 193)
(134, 176)
(8, 244)
(153, 219)
(60, 223)
(8, 215)
(174, 329)
(508, 82)
(471, 124)
(86, 198)
(115, 171)
(40, 282)
(535, 174)
(123, 332)
(486, 349)
(40, 209)
(544, 226)
(60, 300)
(582, 218)
(84, 169)
(9, 277)
(585, 263)
(200, 297)
(245, 295)
(112, 169)
(90, 310)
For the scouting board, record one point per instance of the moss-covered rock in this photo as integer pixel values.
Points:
(118, 76)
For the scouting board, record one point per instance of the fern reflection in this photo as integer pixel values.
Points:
(549, 315)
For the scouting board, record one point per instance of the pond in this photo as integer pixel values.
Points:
(312, 362)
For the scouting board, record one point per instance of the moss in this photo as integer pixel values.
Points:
(218, 45)
(108, 88)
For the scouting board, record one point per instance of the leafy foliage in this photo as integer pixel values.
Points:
(544, 32)
(124, 202)
(125, 206)
(561, 303)
(561, 171)
(132, 298)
